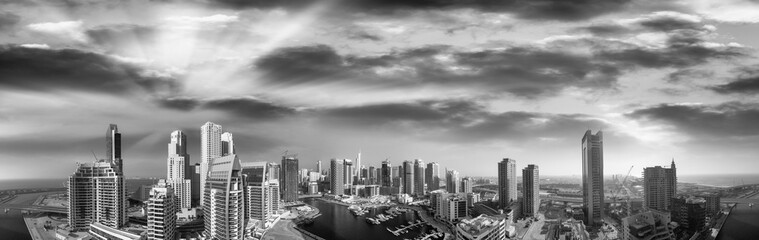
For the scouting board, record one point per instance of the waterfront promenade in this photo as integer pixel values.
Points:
(429, 219)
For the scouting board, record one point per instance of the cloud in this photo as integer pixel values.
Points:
(687, 74)
(747, 84)
(73, 30)
(731, 119)
(117, 36)
(296, 65)
(246, 107)
(571, 10)
(212, 21)
(53, 69)
(8, 21)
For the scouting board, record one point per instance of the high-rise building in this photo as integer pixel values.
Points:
(507, 182)
(432, 176)
(224, 206)
(372, 176)
(273, 171)
(319, 166)
(593, 177)
(178, 164)
(113, 146)
(396, 176)
(336, 182)
(195, 184)
(689, 213)
(452, 183)
(712, 204)
(408, 179)
(96, 193)
(419, 184)
(289, 179)
(348, 172)
(649, 225)
(227, 144)
(257, 201)
(386, 176)
(466, 185)
(530, 190)
(659, 187)
(454, 208)
(161, 213)
(357, 168)
(210, 148)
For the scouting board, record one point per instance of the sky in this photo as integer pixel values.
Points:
(463, 83)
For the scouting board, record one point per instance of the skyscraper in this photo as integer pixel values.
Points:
(466, 185)
(419, 184)
(336, 183)
(507, 182)
(408, 179)
(452, 183)
(257, 202)
(386, 176)
(357, 168)
(319, 167)
(224, 206)
(348, 172)
(113, 146)
(195, 184)
(530, 190)
(659, 187)
(210, 148)
(592, 177)
(178, 164)
(161, 212)
(289, 179)
(432, 176)
(227, 144)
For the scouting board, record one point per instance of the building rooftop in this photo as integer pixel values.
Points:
(480, 225)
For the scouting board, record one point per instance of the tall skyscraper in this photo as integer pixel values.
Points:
(466, 185)
(408, 179)
(372, 176)
(659, 187)
(419, 184)
(273, 171)
(113, 146)
(386, 176)
(530, 190)
(592, 177)
(336, 183)
(195, 184)
(357, 168)
(319, 167)
(178, 164)
(210, 148)
(348, 172)
(432, 176)
(224, 207)
(452, 183)
(507, 182)
(289, 179)
(257, 202)
(161, 212)
(227, 144)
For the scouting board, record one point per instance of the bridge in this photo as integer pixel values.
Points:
(740, 200)
(36, 208)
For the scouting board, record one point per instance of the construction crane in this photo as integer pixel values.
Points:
(615, 193)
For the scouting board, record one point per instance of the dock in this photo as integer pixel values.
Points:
(403, 229)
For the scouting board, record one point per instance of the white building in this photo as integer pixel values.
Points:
(224, 206)
(96, 194)
(162, 212)
(482, 228)
(178, 165)
(210, 148)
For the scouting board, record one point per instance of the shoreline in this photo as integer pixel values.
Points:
(32, 229)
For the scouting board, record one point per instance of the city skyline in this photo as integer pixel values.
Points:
(443, 81)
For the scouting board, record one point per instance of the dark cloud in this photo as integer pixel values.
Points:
(247, 107)
(53, 69)
(748, 85)
(572, 10)
(521, 71)
(732, 119)
(119, 35)
(605, 29)
(670, 22)
(363, 35)
(8, 21)
(677, 55)
(681, 75)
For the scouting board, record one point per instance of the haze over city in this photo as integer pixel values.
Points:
(461, 83)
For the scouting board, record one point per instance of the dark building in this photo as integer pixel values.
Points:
(659, 187)
(689, 213)
(593, 177)
(113, 147)
(289, 179)
(195, 184)
(432, 176)
(336, 177)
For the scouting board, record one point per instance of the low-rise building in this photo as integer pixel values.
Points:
(650, 225)
(482, 228)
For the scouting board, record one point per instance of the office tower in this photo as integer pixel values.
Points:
(358, 166)
(386, 175)
(161, 212)
(454, 208)
(395, 174)
(530, 190)
(96, 194)
(593, 177)
(273, 171)
(113, 147)
(466, 185)
(712, 204)
(336, 182)
(257, 201)
(408, 179)
(482, 227)
(210, 148)
(649, 225)
(419, 184)
(372, 175)
(348, 172)
(224, 206)
(659, 187)
(689, 213)
(432, 176)
(227, 144)
(319, 166)
(289, 179)
(178, 163)
(195, 184)
(452, 183)
(507, 182)
(378, 175)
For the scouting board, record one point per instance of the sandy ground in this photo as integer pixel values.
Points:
(284, 229)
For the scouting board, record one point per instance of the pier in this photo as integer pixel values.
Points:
(403, 229)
